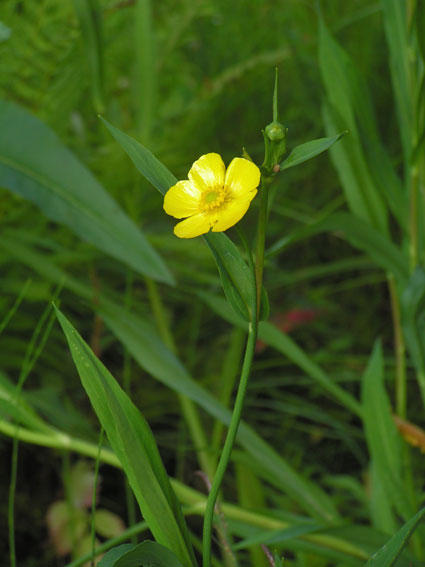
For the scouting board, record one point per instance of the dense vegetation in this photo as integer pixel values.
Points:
(329, 464)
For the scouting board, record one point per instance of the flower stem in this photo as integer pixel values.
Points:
(261, 239)
(228, 445)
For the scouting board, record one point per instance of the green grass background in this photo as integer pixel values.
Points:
(186, 78)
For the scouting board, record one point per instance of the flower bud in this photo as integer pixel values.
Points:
(274, 146)
(275, 132)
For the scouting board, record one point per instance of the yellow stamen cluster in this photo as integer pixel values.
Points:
(213, 200)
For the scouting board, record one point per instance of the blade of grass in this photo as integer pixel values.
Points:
(340, 83)
(35, 165)
(395, 22)
(90, 17)
(15, 306)
(412, 302)
(383, 439)
(133, 442)
(362, 158)
(311, 149)
(389, 553)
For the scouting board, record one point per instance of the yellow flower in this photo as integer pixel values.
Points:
(212, 197)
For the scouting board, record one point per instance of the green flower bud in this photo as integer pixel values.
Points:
(275, 132)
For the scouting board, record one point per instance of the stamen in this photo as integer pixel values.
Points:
(214, 199)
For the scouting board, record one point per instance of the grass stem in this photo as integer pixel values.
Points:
(399, 350)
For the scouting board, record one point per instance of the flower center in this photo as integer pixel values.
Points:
(214, 198)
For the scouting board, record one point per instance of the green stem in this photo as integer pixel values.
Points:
(228, 445)
(261, 239)
(413, 226)
(58, 440)
(400, 351)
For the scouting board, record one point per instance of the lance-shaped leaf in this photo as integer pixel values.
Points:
(309, 150)
(382, 437)
(413, 319)
(390, 552)
(132, 441)
(396, 23)
(369, 180)
(36, 165)
(146, 554)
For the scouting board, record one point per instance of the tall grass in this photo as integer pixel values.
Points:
(327, 466)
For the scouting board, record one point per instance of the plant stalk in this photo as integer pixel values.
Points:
(400, 351)
(228, 445)
(413, 225)
(261, 239)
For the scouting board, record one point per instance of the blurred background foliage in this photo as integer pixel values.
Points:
(198, 79)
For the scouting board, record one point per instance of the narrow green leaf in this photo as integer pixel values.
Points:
(236, 277)
(144, 160)
(309, 150)
(419, 22)
(112, 556)
(388, 554)
(382, 436)
(35, 165)
(146, 554)
(349, 96)
(90, 16)
(16, 407)
(381, 510)
(278, 536)
(133, 442)
(395, 22)
(368, 177)
(413, 320)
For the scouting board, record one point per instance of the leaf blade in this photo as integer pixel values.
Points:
(35, 165)
(134, 444)
(309, 150)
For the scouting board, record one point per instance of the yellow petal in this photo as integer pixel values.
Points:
(182, 200)
(193, 226)
(233, 213)
(242, 176)
(207, 172)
